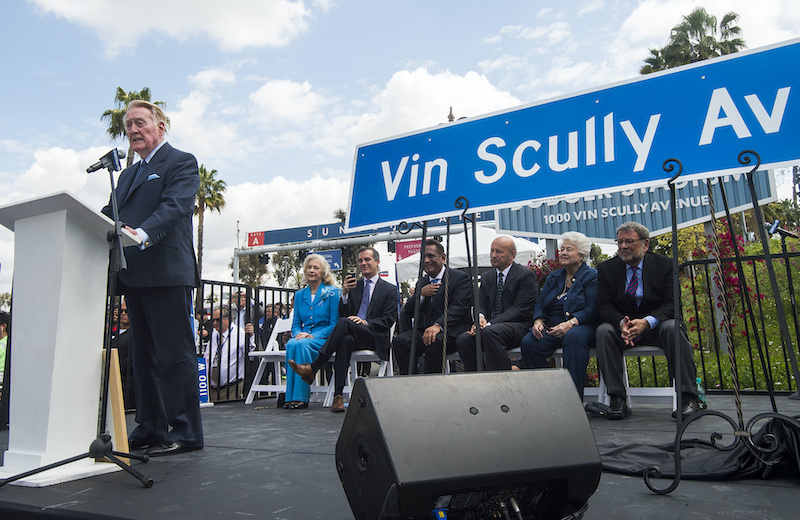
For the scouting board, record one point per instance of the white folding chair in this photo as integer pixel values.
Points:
(653, 395)
(386, 369)
(649, 395)
(274, 355)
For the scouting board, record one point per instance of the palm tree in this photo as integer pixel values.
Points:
(211, 196)
(696, 38)
(116, 125)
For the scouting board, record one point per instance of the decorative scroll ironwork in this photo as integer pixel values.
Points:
(742, 433)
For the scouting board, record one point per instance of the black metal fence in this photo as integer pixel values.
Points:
(760, 354)
(259, 307)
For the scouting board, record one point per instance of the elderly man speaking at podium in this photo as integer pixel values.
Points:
(156, 199)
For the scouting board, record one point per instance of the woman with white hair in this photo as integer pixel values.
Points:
(316, 311)
(565, 314)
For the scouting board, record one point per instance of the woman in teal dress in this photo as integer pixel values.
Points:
(316, 311)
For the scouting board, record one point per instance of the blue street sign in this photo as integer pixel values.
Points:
(590, 143)
(597, 217)
(202, 379)
(328, 232)
(334, 258)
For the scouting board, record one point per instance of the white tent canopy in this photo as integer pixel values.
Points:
(408, 268)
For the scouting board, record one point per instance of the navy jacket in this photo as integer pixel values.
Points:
(161, 202)
(581, 300)
(519, 295)
(381, 312)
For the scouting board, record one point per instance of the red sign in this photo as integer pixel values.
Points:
(407, 248)
(255, 239)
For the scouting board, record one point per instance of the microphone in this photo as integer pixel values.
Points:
(109, 160)
(773, 228)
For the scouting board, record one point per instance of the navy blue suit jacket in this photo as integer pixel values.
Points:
(459, 301)
(161, 202)
(581, 300)
(381, 312)
(519, 295)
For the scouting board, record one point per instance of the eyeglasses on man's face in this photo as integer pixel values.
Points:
(628, 241)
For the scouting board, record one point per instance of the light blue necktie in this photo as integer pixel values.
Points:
(362, 309)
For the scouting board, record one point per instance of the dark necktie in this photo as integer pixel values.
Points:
(633, 286)
(498, 297)
(139, 171)
(362, 309)
(215, 366)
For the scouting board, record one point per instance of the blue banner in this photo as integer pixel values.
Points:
(329, 232)
(598, 217)
(590, 143)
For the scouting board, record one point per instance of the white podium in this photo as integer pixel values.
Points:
(60, 276)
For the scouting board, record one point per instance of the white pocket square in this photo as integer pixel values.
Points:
(153, 176)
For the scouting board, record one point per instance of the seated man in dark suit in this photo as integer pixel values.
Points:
(430, 330)
(367, 311)
(507, 296)
(636, 306)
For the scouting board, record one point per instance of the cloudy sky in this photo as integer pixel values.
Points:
(276, 94)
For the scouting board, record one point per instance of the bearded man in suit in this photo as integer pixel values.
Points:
(367, 311)
(156, 199)
(507, 296)
(636, 305)
(438, 284)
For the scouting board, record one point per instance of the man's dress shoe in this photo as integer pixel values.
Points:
(338, 404)
(136, 445)
(304, 371)
(169, 448)
(618, 409)
(690, 404)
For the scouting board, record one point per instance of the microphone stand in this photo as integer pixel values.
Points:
(102, 447)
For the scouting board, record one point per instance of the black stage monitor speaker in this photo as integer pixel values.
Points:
(467, 446)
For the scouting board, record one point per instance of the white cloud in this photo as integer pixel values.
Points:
(287, 100)
(211, 77)
(591, 6)
(417, 99)
(277, 204)
(197, 126)
(232, 25)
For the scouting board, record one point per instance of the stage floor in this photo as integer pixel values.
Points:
(264, 462)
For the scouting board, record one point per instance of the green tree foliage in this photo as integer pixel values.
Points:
(116, 126)
(211, 196)
(698, 37)
(787, 211)
(251, 271)
(596, 256)
(349, 252)
(286, 266)
(5, 300)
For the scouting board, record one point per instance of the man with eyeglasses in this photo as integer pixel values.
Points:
(636, 306)
(225, 356)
